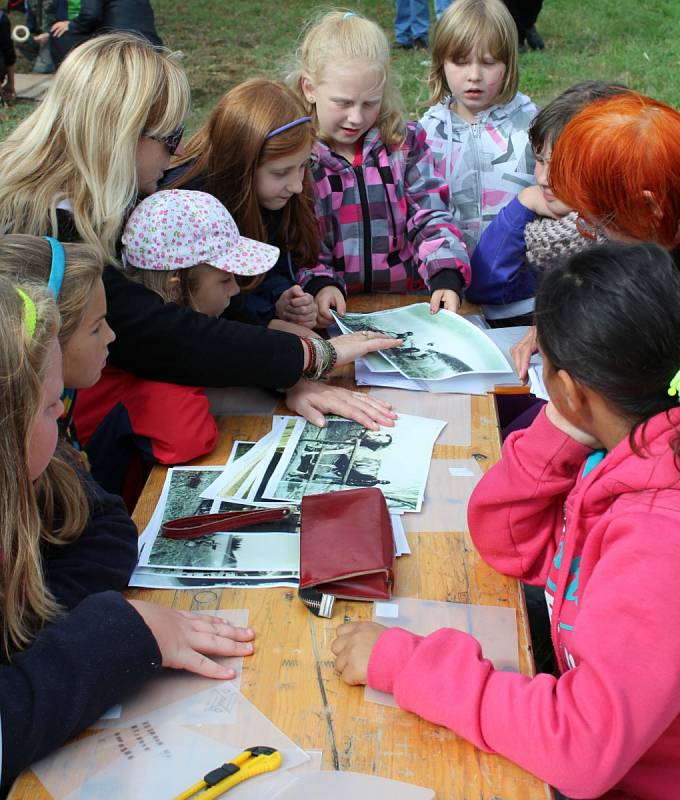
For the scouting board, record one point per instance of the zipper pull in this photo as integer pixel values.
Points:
(320, 604)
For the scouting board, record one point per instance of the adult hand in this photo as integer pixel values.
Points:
(297, 306)
(532, 198)
(522, 351)
(185, 639)
(41, 38)
(313, 400)
(448, 297)
(351, 346)
(580, 436)
(329, 297)
(353, 647)
(59, 28)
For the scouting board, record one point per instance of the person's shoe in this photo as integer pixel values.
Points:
(402, 46)
(534, 38)
(420, 44)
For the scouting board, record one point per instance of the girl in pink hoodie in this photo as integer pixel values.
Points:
(586, 503)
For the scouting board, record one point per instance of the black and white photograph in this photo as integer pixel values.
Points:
(345, 455)
(436, 346)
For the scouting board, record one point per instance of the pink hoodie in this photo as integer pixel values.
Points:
(610, 725)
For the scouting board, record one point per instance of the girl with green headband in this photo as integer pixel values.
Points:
(71, 645)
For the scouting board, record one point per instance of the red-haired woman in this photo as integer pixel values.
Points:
(617, 164)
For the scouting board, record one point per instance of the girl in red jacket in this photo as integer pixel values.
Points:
(586, 503)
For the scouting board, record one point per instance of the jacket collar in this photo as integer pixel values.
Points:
(323, 155)
(493, 114)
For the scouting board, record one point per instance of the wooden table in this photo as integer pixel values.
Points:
(291, 678)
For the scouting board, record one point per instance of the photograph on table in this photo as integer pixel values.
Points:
(266, 546)
(242, 551)
(436, 346)
(184, 493)
(243, 475)
(344, 455)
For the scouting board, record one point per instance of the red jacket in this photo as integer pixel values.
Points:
(610, 724)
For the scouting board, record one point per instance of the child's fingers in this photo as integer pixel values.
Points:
(302, 301)
(193, 661)
(209, 624)
(214, 644)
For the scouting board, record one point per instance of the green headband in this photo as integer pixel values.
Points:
(30, 313)
(674, 385)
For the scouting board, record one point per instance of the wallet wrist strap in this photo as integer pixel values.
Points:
(202, 524)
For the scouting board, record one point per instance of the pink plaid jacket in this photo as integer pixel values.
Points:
(385, 222)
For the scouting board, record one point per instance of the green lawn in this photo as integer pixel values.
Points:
(227, 41)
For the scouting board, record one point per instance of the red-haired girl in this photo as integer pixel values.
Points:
(264, 183)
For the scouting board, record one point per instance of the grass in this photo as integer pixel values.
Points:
(226, 42)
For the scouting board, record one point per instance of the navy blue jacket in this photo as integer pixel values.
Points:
(91, 657)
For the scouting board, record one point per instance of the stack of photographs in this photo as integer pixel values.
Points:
(295, 458)
(441, 352)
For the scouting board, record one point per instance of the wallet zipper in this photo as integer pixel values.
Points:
(320, 604)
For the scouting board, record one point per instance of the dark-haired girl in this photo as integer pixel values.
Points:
(585, 502)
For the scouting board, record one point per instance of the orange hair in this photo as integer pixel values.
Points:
(230, 147)
(612, 154)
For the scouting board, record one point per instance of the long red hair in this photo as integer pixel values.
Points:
(611, 155)
(233, 143)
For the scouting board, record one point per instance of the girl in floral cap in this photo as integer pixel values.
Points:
(186, 247)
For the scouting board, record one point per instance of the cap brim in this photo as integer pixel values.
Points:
(248, 258)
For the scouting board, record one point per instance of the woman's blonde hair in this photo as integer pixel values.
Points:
(465, 26)
(80, 144)
(29, 258)
(52, 508)
(247, 114)
(344, 37)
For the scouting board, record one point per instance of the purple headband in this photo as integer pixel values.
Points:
(287, 127)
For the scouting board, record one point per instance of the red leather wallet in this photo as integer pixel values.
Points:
(346, 546)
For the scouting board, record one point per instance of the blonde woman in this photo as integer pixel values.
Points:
(71, 646)
(382, 208)
(74, 169)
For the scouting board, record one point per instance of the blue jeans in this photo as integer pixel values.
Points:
(440, 6)
(412, 20)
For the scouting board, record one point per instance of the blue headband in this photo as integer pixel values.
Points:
(57, 267)
(288, 126)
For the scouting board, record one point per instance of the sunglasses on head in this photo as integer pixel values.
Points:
(171, 141)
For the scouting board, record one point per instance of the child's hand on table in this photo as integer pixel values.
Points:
(327, 298)
(353, 647)
(297, 306)
(448, 297)
(185, 639)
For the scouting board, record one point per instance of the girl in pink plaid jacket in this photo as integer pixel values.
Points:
(382, 207)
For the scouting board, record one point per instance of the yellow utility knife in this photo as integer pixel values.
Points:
(251, 762)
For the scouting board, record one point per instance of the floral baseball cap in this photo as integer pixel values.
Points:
(177, 229)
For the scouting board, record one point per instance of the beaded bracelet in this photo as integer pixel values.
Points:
(323, 360)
